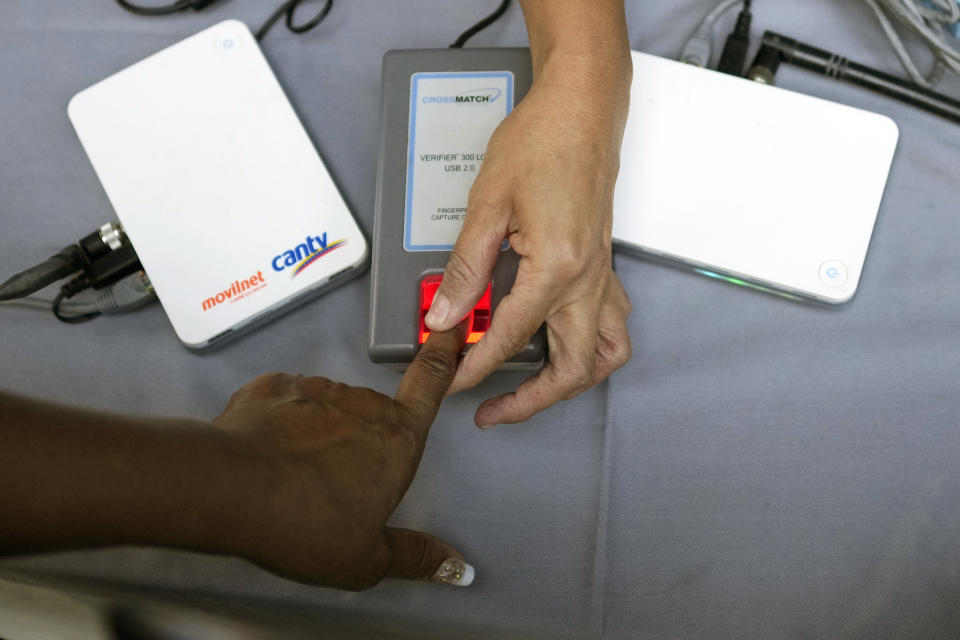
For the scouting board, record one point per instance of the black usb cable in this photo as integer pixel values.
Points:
(734, 54)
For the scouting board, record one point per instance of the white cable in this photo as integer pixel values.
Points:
(699, 47)
(930, 20)
(718, 11)
(905, 58)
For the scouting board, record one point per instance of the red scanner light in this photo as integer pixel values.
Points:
(479, 318)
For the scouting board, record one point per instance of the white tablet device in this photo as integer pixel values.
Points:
(219, 188)
(750, 183)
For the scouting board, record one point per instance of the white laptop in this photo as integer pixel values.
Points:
(750, 183)
(218, 186)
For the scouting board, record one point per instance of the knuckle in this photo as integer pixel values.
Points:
(264, 385)
(438, 364)
(617, 295)
(577, 375)
(517, 340)
(314, 389)
(371, 398)
(270, 379)
(514, 340)
(570, 250)
(621, 300)
(614, 348)
(399, 431)
(481, 199)
(336, 389)
(459, 271)
(622, 352)
(570, 260)
(420, 550)
(405, 438)
(315, 384)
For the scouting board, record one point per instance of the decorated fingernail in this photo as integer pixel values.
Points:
(438, 311)
(456, 572)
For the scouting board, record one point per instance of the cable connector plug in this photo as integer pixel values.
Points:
(129, 294)
(113, 266)
(735, 50)
(765, 65)
(698, 48)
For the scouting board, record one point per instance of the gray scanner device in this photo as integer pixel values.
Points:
(400, 265)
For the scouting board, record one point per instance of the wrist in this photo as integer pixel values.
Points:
(580, 43)
(225, 484)
(597, 79)
(185, 484)
(608, 61)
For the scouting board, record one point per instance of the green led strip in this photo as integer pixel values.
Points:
(744, 283)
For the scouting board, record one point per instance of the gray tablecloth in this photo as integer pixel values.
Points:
(761, 468)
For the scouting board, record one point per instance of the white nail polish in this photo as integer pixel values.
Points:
(456, 572)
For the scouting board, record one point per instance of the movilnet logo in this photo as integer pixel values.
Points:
(305, 254)
(468, 97)
(239, 290)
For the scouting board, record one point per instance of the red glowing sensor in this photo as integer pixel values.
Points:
(479, 318)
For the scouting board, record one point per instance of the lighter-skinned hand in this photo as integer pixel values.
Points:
(546, 185)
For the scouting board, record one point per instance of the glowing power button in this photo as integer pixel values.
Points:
(833, 273)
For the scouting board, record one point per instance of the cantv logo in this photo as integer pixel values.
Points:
(475, 96)
(305, 254)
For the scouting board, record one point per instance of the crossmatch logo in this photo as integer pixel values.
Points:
(476, 96)
(238, 290)
(305, 254)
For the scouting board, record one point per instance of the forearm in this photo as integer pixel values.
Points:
(580, 42)
(581, 60)
(74, 479)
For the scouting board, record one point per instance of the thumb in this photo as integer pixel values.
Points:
(469, 268)
(419, 556)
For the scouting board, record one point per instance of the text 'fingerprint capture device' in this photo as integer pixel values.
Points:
(439, 108)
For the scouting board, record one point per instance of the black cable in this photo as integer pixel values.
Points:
(77, 319)
(289, 8)
(480, 26)
(734, 53)
(61, 265)
(91, 253)
(162, 10)
(69, 290)
(777, 49)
